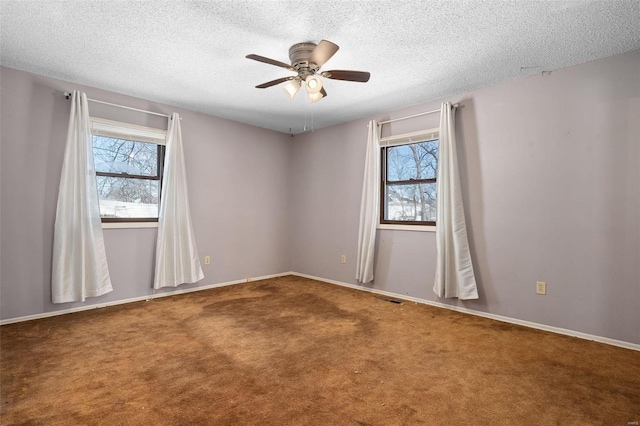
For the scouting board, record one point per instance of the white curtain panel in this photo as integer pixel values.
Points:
(454, 270)
(369, 207)
(79, 267)
(177, 260)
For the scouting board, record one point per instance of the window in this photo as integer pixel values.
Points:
(128, 161)
(408, 174)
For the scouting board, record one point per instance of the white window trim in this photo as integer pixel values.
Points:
(117, 129)
(418, 228)
(404, 139)
(115, 225)
(408, 138)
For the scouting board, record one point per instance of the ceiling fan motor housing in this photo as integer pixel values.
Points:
(299, 54)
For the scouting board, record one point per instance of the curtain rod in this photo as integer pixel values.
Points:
(412, 116)
(68, 95)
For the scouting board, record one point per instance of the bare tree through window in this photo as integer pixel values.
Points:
(409, 183)
(128, 177)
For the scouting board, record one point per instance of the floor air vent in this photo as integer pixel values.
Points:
(386, 299)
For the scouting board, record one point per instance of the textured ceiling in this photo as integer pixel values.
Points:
(191, 54)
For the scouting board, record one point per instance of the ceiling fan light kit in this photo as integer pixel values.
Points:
(291, 88)
(314, 84)
(306, 60)
(314, 97)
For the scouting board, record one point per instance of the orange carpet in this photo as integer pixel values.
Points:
(293, 351)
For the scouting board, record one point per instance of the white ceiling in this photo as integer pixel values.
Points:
(191, 54)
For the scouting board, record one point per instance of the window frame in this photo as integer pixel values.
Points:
(135, 133)
(401, 140)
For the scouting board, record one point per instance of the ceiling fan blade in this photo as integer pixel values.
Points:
(324, 93)
(359, 76)
(323, 52)
(270, 61)
(274, 82)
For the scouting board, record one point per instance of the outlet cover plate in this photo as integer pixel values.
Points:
(541, 287)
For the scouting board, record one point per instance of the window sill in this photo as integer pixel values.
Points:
(121, 225)
(419, 228)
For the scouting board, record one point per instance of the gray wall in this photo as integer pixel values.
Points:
(549, 173)
(552, 190)
(238, 187)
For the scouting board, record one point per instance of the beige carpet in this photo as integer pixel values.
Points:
(292, 351)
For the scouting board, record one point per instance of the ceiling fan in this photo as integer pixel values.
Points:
(306, 60)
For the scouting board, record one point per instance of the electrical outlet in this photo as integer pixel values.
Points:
(207, 260)
(343, 259)
(541, 287)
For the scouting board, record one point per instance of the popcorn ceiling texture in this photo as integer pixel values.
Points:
(192, 54)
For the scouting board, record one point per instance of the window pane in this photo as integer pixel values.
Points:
(128, 198)
(411, 202)
(413, 161)
(123, 156)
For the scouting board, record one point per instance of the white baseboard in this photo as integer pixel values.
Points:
(137, 299)
(558, 330)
